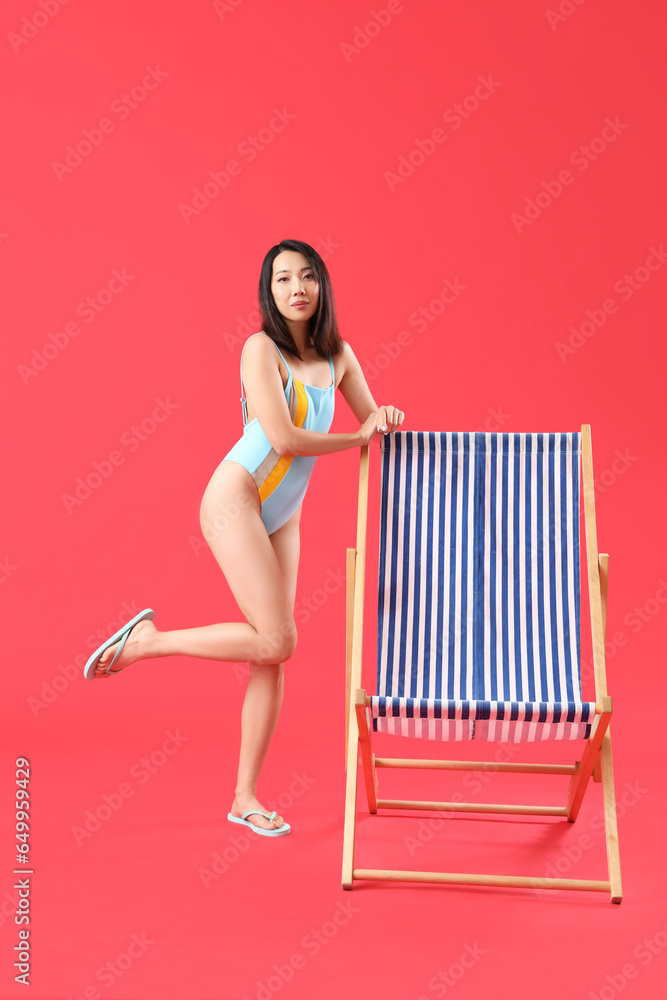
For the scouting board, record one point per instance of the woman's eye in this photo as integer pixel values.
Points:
(284, 278)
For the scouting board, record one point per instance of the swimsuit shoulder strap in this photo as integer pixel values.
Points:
(333, 373)
(243, 399)
(282, 356)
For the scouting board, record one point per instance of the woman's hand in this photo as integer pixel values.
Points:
(384, 420)
(392, 418)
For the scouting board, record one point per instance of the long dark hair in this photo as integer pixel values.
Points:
(323, 325)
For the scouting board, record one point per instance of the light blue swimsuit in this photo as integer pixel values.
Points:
(282, 480)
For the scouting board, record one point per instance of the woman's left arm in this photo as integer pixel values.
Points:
(354, 390)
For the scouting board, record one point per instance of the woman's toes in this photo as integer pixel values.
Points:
(268, 824)
(256, 819)
(105, 659)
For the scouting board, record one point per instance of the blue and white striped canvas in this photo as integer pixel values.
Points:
(478, 596)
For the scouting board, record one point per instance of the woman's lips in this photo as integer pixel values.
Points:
(299, 305)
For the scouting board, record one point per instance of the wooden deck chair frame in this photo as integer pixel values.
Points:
(596, 760)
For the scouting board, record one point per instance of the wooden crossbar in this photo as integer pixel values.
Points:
(452, 878)
(478, 807)
(474, 765)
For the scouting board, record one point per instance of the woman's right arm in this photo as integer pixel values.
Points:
(262, 381)
(316, 443)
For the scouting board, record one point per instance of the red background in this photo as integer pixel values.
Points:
(489, 360)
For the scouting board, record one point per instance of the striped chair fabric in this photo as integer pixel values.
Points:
(479, 587)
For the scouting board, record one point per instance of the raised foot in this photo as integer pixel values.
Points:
(138, 646)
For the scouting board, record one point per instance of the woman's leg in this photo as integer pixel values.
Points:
(261, 573)
(230, 518)
(264, 694)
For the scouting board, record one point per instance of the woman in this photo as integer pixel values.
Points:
(251, 507)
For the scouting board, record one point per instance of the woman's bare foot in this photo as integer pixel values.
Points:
(138, 645)
(242, 803)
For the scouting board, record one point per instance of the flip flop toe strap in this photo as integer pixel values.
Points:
(252, 812)
(118, 652)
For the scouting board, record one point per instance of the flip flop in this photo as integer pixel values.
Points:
(122, 634)
(279, 831)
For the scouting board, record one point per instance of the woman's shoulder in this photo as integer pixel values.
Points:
(347, 354)
(258, 342)
(260, 335)
(263, 350)
(258, 348)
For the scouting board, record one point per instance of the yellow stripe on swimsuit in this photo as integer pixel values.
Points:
(282, 480)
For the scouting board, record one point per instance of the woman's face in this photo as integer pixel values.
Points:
(294, 285)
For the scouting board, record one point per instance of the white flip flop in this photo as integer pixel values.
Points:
(279, 831)
(122, 634)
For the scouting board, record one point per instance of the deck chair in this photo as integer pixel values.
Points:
(479, 624)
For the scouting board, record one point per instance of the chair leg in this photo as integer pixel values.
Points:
(610, 820)
(349, 626)
(367, 757)
(350, 801)
(587, 763)
(355, 623)
(606, 767)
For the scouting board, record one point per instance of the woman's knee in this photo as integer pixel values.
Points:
(277, 645)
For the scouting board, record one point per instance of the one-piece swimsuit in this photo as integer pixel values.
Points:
(282, 480)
